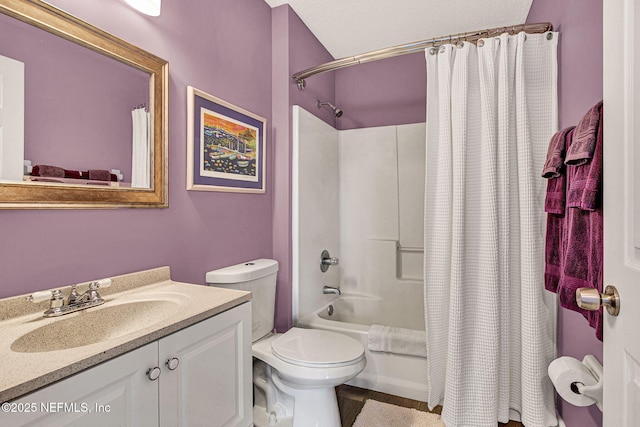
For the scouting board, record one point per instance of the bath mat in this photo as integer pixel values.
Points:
(379, 414)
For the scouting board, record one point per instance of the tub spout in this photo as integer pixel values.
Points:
(331, 290)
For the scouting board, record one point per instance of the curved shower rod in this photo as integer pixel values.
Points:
(414, 47)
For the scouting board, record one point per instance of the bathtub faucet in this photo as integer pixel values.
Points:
(331, 290)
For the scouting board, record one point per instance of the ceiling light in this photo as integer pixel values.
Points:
(148, 7)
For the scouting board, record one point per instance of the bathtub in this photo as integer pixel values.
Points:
(352, 315)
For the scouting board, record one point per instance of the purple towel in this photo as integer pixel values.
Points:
(574, 241)
(554, 165)
(586, 179)
(554, 170)
(555, 206)
(582, 264)
(583, 144)
(50, 171)
(99, 175)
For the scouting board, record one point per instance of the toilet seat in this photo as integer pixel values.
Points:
(316, 348)
(308, 377)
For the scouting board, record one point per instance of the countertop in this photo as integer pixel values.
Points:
(24, 372)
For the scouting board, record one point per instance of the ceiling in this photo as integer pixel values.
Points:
(351, 27)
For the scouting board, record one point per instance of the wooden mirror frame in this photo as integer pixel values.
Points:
(64, 196)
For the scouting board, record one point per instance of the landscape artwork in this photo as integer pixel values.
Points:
(228, 147)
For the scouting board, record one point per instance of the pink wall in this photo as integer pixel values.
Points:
(207, 48)
(579, 87)
(294, 48)
(388, 92)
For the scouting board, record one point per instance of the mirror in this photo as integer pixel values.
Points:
(122, 77)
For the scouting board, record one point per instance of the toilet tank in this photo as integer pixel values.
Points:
(258, 277)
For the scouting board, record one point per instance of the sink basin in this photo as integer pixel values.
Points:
(95, 325)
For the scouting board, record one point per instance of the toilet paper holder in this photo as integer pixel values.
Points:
(592, 391)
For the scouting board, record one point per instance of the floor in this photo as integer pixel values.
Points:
(351, 400)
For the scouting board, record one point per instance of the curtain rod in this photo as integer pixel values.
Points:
(413, 47)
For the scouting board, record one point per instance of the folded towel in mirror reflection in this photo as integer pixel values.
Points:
(58, 172)
(99, 175)
(49, 171)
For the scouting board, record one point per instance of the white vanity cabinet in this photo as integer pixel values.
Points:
(212, 383)
(114, 393)
(205, 379)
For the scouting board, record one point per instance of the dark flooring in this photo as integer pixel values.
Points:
(351, 400)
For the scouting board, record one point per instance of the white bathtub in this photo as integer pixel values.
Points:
(395, 374)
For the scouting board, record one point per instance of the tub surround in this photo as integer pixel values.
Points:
(32, 370)
(362, 192)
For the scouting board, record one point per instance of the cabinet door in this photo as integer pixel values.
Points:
(211, 386)
(115, 393)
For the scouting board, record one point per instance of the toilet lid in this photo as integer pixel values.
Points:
(316, 348)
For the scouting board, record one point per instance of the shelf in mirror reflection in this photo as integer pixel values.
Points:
(71, 181)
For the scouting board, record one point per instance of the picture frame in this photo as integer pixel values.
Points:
(226, 146)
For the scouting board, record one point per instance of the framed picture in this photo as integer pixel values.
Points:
(225, 146)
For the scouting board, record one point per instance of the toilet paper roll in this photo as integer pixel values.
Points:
(565, 371)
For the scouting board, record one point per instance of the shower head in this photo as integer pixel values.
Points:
(336, 111)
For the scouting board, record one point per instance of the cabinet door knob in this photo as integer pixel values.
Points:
(591, 300)
(153, 373)
(172, 363)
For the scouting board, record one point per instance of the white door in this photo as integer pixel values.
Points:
(11, 119)
(622, 210)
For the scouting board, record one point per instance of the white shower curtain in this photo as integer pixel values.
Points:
(491, 110)
(141, 148)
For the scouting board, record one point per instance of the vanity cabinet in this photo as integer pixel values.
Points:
(204, 379)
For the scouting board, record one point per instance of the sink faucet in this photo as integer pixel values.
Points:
(75, 302)
(91, 295)
(331, 290)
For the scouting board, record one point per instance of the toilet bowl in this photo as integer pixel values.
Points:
(294, 373)
(307, 376)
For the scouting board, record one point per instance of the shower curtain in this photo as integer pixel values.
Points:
(491, 110)
(141, 148)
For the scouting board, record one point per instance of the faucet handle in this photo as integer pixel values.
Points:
(102, 283)
(327, 260)
(40, 296)
(55, 298)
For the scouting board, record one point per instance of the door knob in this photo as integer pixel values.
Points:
(590, 299)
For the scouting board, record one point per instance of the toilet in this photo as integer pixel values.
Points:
(294, 373)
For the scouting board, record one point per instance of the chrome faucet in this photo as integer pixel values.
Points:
(91, 295)
(75, 302)
(331, 290)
